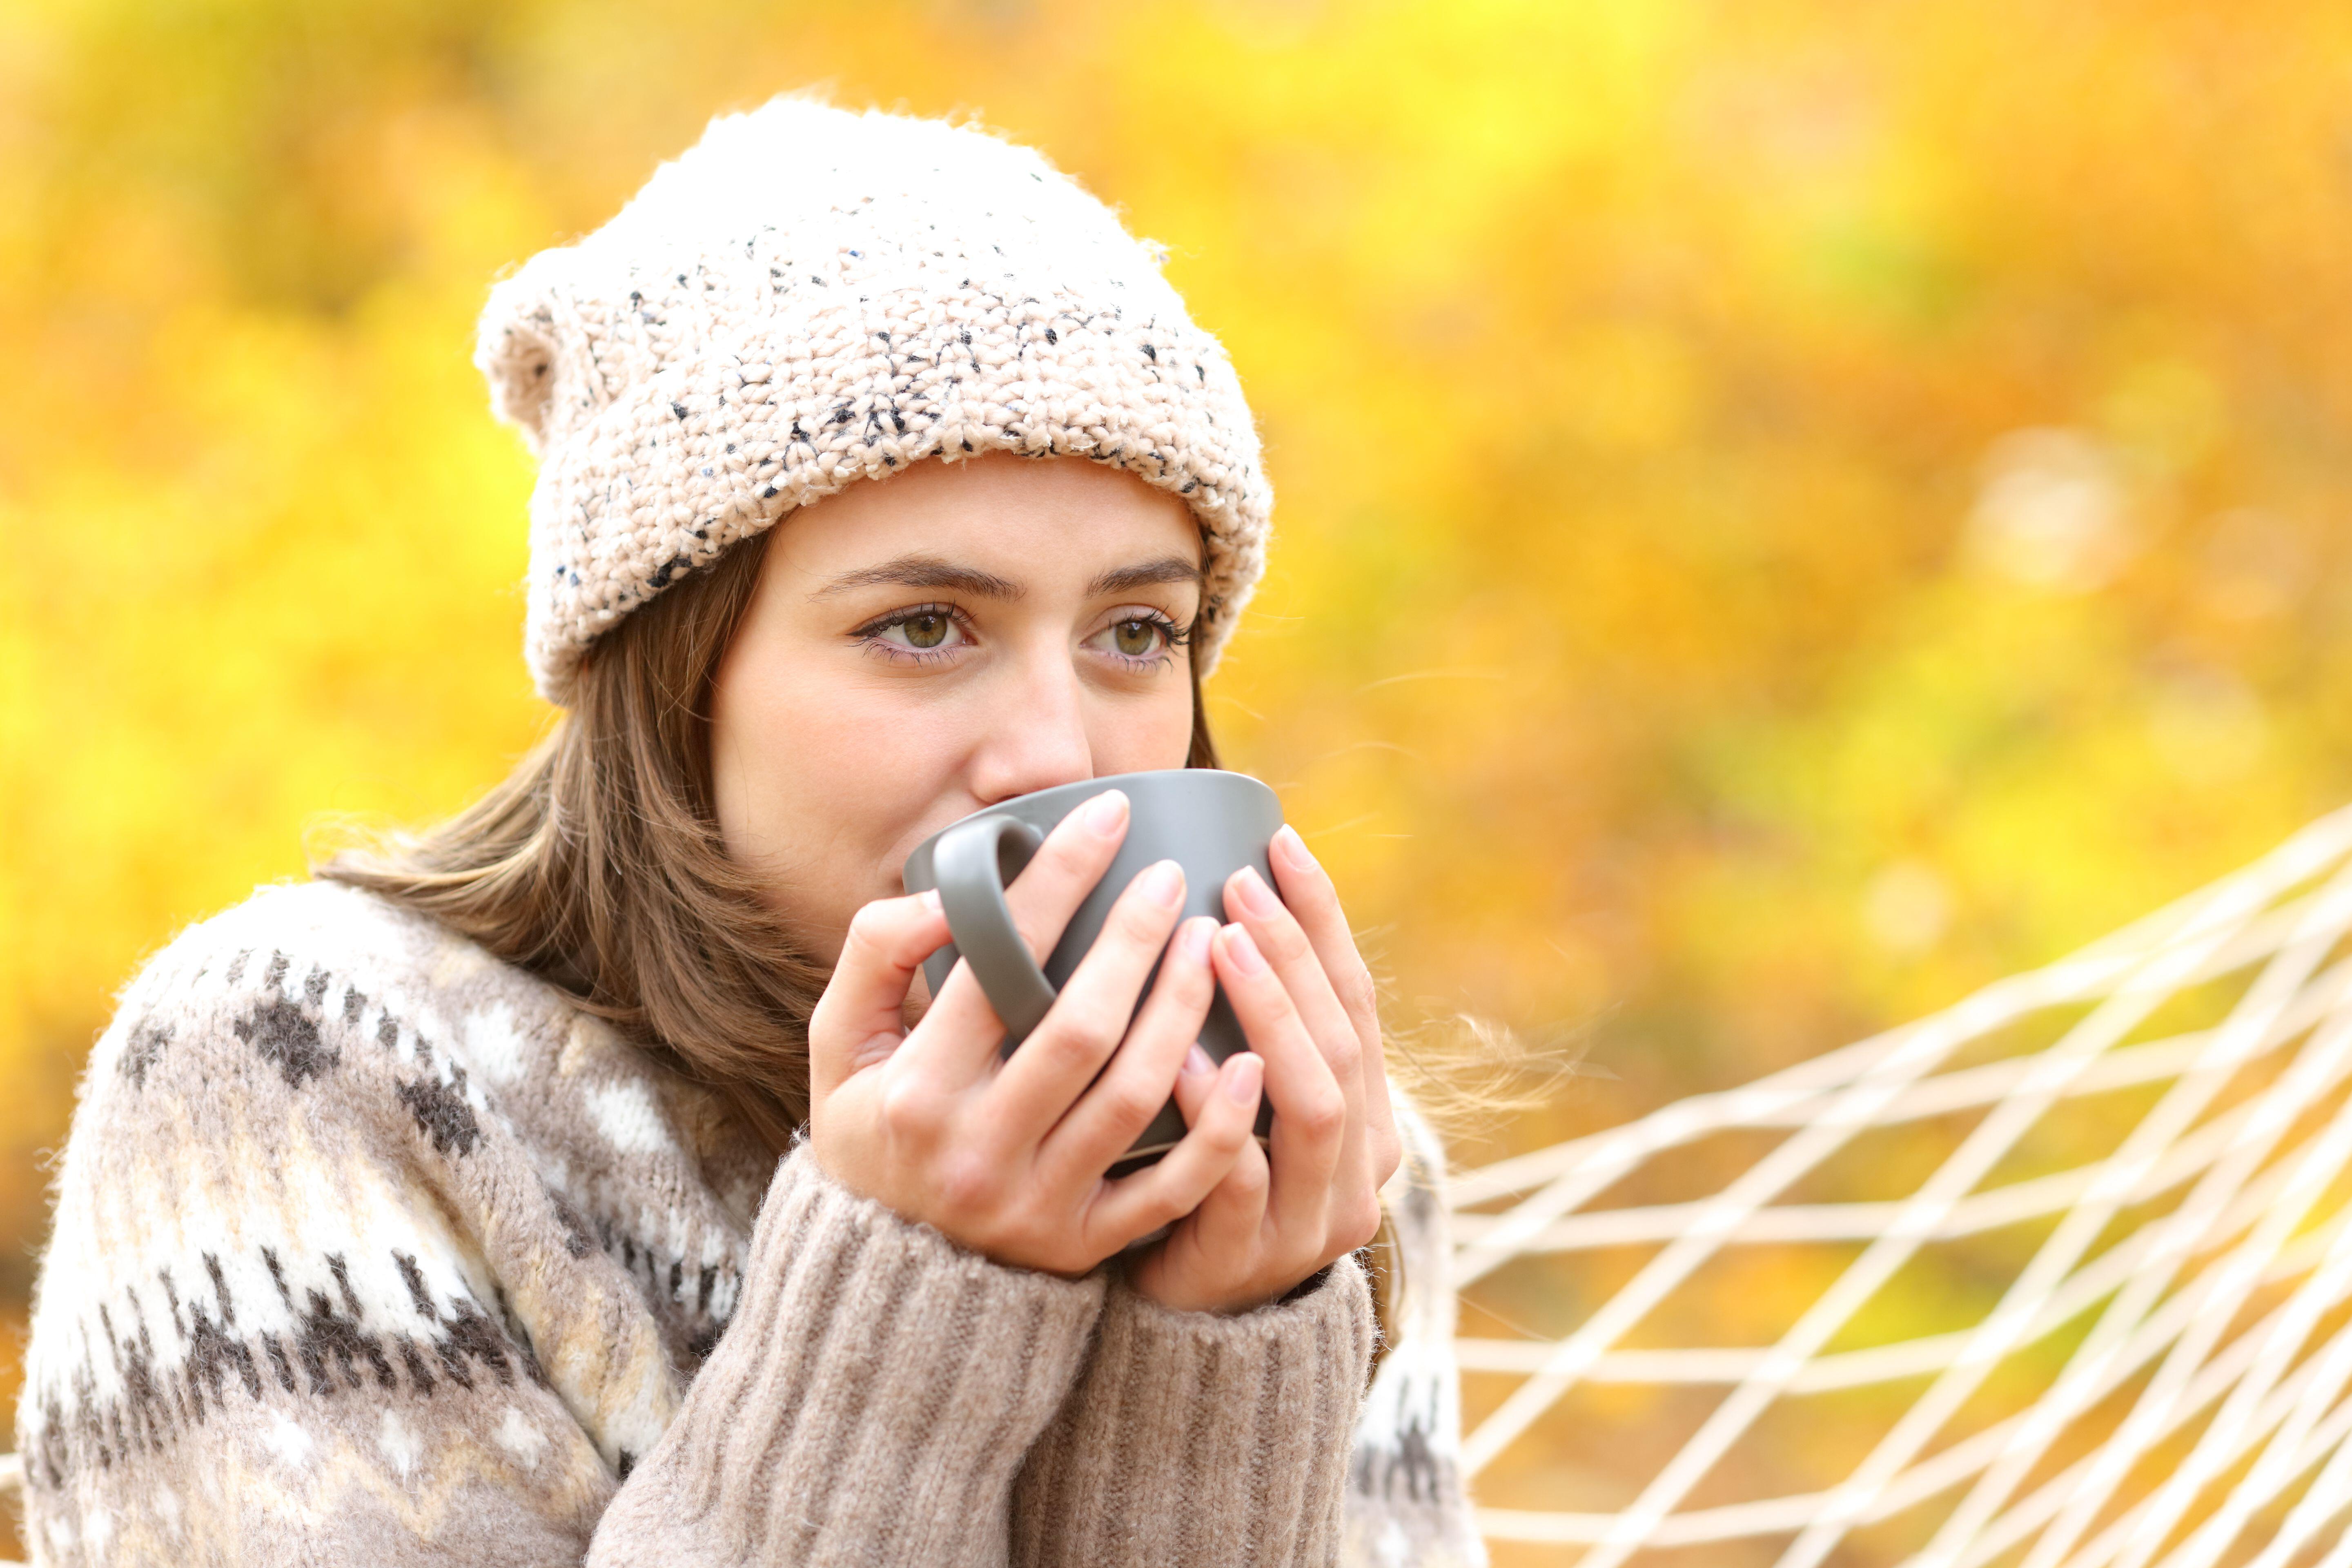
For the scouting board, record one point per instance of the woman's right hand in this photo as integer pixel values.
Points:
(1006, 1156)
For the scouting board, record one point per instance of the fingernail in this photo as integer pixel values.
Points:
(1196, 936)
(929, 901)
(1106, 813)
(1248, 1075)
(1294, 848)
(1196, 1062)
(1254, 895)
(1163, 884)
(1244, 951)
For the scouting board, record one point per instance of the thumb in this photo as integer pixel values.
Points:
(862, 1013)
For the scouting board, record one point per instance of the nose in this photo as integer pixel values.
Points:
(1037, 738)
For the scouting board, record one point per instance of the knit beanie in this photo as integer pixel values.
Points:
(809, 296)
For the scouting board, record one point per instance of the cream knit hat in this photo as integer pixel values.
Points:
(809, 296)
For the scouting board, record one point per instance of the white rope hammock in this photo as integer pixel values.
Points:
(2125, 1180)
(2114, 1187)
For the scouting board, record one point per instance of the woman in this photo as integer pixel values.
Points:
(433, 1211)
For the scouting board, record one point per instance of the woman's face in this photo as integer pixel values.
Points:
(923, 645)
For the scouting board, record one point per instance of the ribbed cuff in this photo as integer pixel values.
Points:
(1202, 1439)
(870, 1401)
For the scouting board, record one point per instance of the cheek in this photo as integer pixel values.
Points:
(814, 782)
(1129, 737)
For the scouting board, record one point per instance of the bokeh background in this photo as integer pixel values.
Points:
(1786, 511)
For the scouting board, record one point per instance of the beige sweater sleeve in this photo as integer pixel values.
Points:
(1202, 1440)
(369, 1249)
(869, 1404)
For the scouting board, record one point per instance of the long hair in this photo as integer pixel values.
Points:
(598, 865)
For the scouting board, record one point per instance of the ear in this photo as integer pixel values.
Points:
(515, 349)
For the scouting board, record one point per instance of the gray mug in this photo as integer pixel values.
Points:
(1208, 821)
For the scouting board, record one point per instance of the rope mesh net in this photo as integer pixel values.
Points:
(2060, 1276)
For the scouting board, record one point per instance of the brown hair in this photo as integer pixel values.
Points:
(598, 863)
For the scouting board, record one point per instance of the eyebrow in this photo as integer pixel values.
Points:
(924, 572)
(1150, 574)
(930, 571)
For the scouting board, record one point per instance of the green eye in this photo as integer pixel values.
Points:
(927, 630)
(1135, 638)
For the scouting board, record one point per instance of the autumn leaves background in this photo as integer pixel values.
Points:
(1786, 510)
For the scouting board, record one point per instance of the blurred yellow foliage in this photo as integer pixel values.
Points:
(1786, 511)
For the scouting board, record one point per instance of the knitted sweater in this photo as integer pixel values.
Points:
(371, 1249)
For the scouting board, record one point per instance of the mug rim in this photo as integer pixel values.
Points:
(1213, 777)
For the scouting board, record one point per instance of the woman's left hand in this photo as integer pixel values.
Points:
(1305, 999)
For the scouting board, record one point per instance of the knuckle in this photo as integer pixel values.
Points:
(1191, 981)
(1345, 1053)
(1075, 1042)
(967, 1183)
(909, 1111)
(1141, 923)
(1357, 992)
(1064, 848)
(1067, 858)
(1266, 996)
(1285, 942)
(1251, 1178)
(1321, 1113)
(1173, 999)
(1131, 1104)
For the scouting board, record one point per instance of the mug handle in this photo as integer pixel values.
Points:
(971, 864)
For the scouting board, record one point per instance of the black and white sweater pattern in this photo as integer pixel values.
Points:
(371, 1247)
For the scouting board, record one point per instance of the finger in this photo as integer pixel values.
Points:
(860, 1017)
(1308, 890)
(1194, 1077)
(1229, 1221)
(961, 1034)
(1278, 935)
(1064, 870)
(1165, 1192)
(1300, 969)
(1045, 1075)
(1310, 1113)
(1104, 1124)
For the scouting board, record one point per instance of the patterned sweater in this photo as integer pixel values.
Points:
(371, 1249)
